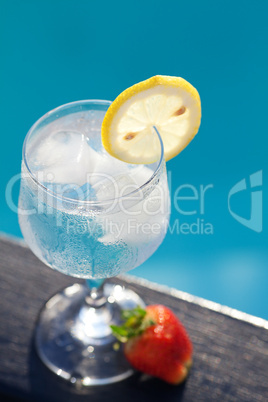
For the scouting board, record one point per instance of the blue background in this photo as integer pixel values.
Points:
(54, 52)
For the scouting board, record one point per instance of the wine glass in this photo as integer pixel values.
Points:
(88, 215)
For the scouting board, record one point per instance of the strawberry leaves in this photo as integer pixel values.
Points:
(134, 323)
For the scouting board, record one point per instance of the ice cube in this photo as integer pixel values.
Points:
(139, 222)
(64, 157)
(112, 187)
(106, 167)
(120, 180)
(83, 193)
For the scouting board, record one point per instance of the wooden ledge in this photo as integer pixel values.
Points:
(230, 347)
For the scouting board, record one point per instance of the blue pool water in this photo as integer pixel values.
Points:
(57, 52)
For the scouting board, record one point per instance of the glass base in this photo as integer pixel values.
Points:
(74, 339)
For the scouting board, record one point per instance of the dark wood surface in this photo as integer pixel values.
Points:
(230, 355)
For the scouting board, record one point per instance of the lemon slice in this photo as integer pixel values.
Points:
(171, 104)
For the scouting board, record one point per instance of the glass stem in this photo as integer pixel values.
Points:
(95, 297)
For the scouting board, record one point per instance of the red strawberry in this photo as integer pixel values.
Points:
(156, 343)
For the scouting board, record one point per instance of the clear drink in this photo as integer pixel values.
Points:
(91, 217)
